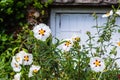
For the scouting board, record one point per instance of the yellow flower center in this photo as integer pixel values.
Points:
(108, 13)
(18, 59)
(35, 70)
(67, 43)
(76, 39)
(16, 65)
(97, 63)
(42, 32)
(26, 58)
(118, 43)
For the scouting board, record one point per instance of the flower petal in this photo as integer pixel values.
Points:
(19, 57)
(15, 65)
(28, 59)
(17, 76)
(97, 64)
(33, 69)
(41, 31)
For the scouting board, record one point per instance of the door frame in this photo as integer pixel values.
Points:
(55, 11)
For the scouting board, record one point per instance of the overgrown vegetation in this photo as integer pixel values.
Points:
(61, 60)
(13, 13)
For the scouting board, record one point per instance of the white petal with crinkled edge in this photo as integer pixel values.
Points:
(46, 33)
(15, 65)
(32, 68)
(17, 76)
(97, 68)
(29, 59)
(19, 57)
(75, 38)
(108, 14)
(63, 47)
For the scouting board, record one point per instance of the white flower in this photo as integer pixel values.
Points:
(108, 14)
(19, 57)
(118, 12)
(67, 45)
(97, 64)
(33, 69)
(15, 65)
(17, 76)
(41, 32)
(118, 43)
(24, 58)
(76, 38)
(27, 59)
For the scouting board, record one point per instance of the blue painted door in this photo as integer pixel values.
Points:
(69, 24)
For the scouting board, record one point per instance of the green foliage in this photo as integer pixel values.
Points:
(13, 13)
(55, 64)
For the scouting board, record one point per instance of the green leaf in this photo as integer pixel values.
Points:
(4, 38)
(1, 19)
(118, 30)
(24, 49)
(9, 11)
(19, 4)
(14, 50)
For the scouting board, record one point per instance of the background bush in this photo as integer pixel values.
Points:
(15, 23)
(16, 35)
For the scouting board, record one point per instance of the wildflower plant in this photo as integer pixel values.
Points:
(37, 57)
